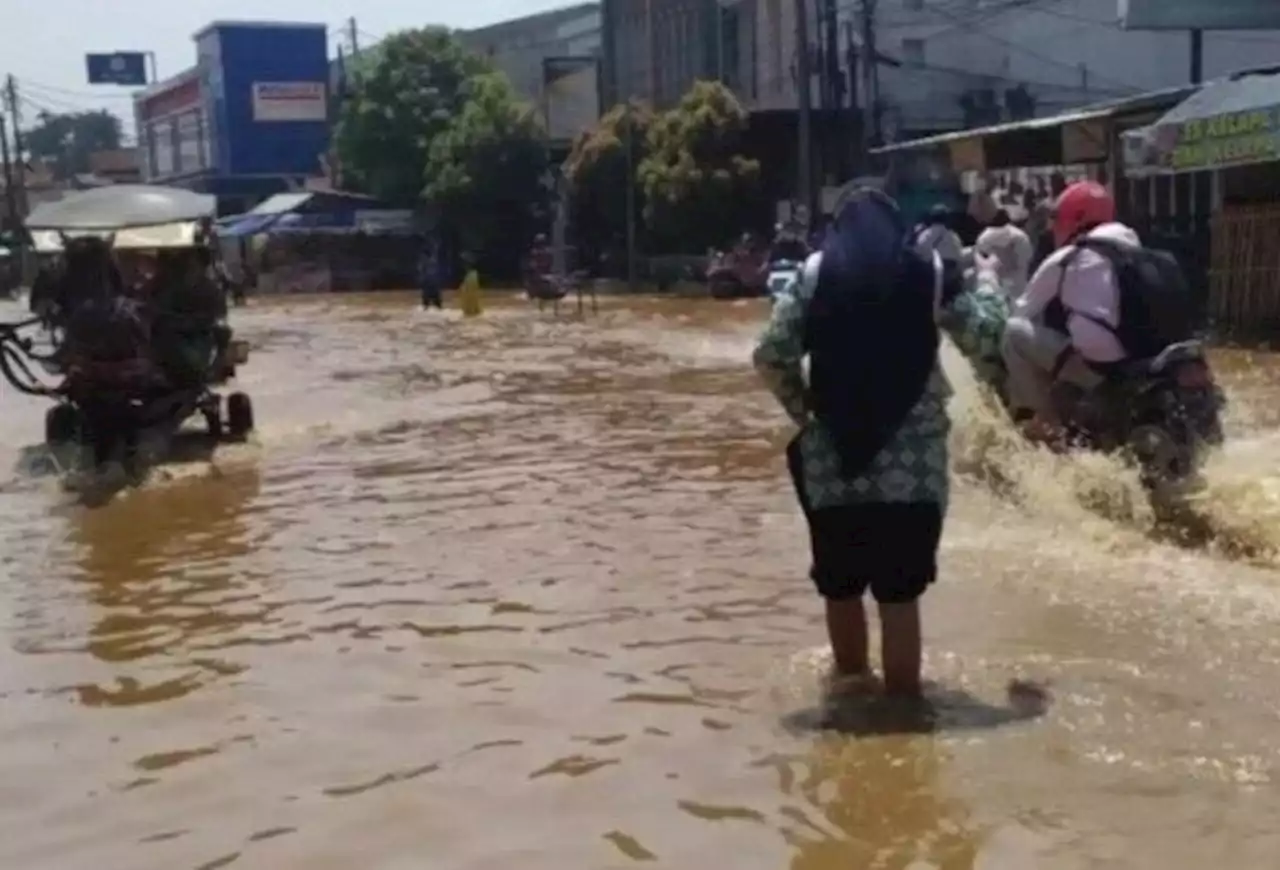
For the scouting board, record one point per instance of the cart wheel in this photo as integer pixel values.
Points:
(213, 421)
(61, 425)
(239, 416)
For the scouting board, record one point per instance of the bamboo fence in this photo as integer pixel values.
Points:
(1244, 269)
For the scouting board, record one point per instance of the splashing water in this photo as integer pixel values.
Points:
(1236, 513)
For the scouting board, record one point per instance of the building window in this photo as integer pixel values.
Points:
(913, 52)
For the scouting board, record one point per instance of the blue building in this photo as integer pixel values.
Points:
(249, 120)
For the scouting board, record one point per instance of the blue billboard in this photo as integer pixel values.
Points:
(250, 119)
(117, 68)
(274, 87)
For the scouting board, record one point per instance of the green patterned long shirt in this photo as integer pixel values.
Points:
(912, 466)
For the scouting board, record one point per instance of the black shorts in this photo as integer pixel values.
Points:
(890, 548)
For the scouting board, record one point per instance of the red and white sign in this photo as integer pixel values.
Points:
(182, 96)
(290, 101)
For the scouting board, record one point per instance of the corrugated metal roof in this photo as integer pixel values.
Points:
(1245, 92)
(1138, 102)
(280, 203)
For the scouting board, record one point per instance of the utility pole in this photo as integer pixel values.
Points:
(353, 34)
(15, 116)
(719, 41)
(870, 78)
(804, 73)
(651, 49)
(630, 195)
(1197, 57)
(851, 85)
(10, 193)
(831, 52)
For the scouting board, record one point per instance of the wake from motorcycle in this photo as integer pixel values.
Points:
(1231, 508)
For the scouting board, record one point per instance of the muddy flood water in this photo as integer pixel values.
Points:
(529, 593)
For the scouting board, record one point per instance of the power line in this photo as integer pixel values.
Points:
(1115, 24)
(1052, 61)
(67, 92)
(957, 7)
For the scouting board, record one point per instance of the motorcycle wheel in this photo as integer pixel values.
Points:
(240, 421)
(1158, 456)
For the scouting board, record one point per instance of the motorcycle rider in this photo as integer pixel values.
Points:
(1011, 247)
(1063, 327)
(787, 246)
(935, 234)
(539, 264)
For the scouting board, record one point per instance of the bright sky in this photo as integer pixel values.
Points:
(43, 42)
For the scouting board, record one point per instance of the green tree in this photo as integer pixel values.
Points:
(598, 174)
(399, 99)
(486, 174)
(699, 188)
(65, 141)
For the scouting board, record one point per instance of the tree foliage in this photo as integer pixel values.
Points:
(426, 122)
(598, 175)
(697, 184)
(66, 140)
(485, 173)
(398, 100)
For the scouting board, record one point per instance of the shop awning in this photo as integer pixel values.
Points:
(1078, 136)
(1229, 122)
(247, 225)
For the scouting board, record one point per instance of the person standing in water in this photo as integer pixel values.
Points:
(869, 463)
(429, 276)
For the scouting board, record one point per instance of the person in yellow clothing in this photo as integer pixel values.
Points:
(469, 290)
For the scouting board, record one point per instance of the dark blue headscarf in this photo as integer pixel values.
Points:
(870, 330)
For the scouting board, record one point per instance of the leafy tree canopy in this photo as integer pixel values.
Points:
(598, 175)
(696, 182)
(65, 141)
(485, 173)
(399, 99)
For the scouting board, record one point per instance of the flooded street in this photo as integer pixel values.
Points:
(530, 593)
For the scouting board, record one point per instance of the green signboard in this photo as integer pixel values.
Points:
(1232, 139)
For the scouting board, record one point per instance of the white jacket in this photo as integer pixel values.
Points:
(1012, 248)
(936, 237)
(1089, 287)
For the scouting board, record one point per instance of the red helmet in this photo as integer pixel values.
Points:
(1081, 206)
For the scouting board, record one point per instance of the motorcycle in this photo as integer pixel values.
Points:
(1165, 412)
(735, 276)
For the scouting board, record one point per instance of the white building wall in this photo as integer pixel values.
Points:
(519, 47)
(1067, 53)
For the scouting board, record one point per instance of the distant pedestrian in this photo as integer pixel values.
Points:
(469, 293)
(429, 276)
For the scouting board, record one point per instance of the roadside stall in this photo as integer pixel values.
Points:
(319, 242)
(1226, 137)
(1084, 143)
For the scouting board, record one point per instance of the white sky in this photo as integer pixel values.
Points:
(43, 42)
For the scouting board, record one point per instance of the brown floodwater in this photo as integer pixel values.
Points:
(521, 592)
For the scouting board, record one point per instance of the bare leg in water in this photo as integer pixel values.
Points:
(900, 644)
